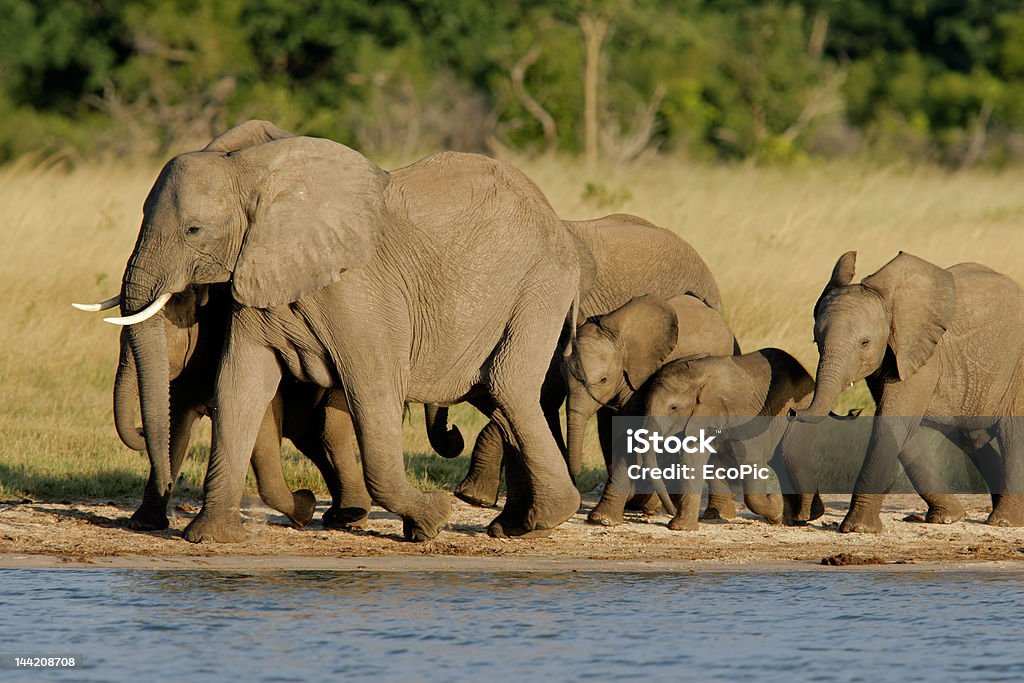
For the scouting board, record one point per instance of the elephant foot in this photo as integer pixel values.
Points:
(345, 518)
(645, 503)
(767, 505)
(483, 495)
(226, 529)
(945, 511)
(1009, 511)
(430, 517)
(799, 509)
(719, 507)
(148, 519)
(547, 511)
(861, 521)
(687, 523)
(817, 507)
(304, 505)
(608, 511)
(605, 517)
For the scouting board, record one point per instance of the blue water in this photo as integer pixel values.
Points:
(417, 626)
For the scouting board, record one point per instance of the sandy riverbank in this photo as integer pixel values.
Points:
(94, 534)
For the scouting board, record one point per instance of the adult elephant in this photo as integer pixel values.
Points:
(939, 347)
(442, 281)
(628, 257)
(315, 419)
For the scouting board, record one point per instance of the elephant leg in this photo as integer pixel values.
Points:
(604, 437)
(755, 491)
(721, 501)
(378, 425)
(152, 513)
(721, 504)
(552, 396)
(987, 460)
(618, 489)
(267, 468)
(247, 381)
(687, 512)
(791, 460)
(647, 503)
(541, 494)
(350, 508)
(481, 484)
(1008, 508)
(943, 507)
(687, 502)
(888, 439)
(889, 436)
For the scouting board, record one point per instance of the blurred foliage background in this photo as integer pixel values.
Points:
(939, 81)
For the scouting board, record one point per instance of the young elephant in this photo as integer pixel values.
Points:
(936, 346)
(613, 357)
(765, 383)
(314, 419)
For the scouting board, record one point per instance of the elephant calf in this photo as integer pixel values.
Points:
(614, 356)
(940, 348)
(765, 383)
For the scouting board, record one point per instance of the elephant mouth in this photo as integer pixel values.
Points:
(143, 315)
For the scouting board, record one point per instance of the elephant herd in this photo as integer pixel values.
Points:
(286, 286)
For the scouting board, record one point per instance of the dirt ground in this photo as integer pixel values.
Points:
(94, 533)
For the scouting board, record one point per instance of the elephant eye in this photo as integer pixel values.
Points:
(603, 380)
(192, 229)
(865, 342)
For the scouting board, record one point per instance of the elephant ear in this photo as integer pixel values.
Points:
(646, 331)
(923, 301)
(842, 275)
(317, 212)
(248, 134)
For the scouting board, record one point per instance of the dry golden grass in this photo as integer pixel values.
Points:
(771, 236)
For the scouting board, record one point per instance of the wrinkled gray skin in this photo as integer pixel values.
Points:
(934, 344)
(447, 280)
(624, 256)
(314, 419)
(765, 383)
(614, 356)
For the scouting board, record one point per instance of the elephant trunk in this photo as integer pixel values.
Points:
(126, 398)
(579, 409)
(831, 379)
(797, 444)
(148, 343)
(446, 442)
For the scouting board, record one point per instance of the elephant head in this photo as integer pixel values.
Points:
(900, 312)
(276, 216)
(681, 390)
(613, 355)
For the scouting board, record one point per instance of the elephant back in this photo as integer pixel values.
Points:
(634, 257)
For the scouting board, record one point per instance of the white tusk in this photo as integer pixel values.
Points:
(145, 314)
(101, 306)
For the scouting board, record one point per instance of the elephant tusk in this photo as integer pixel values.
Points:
(101, 306)
(145, 314)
